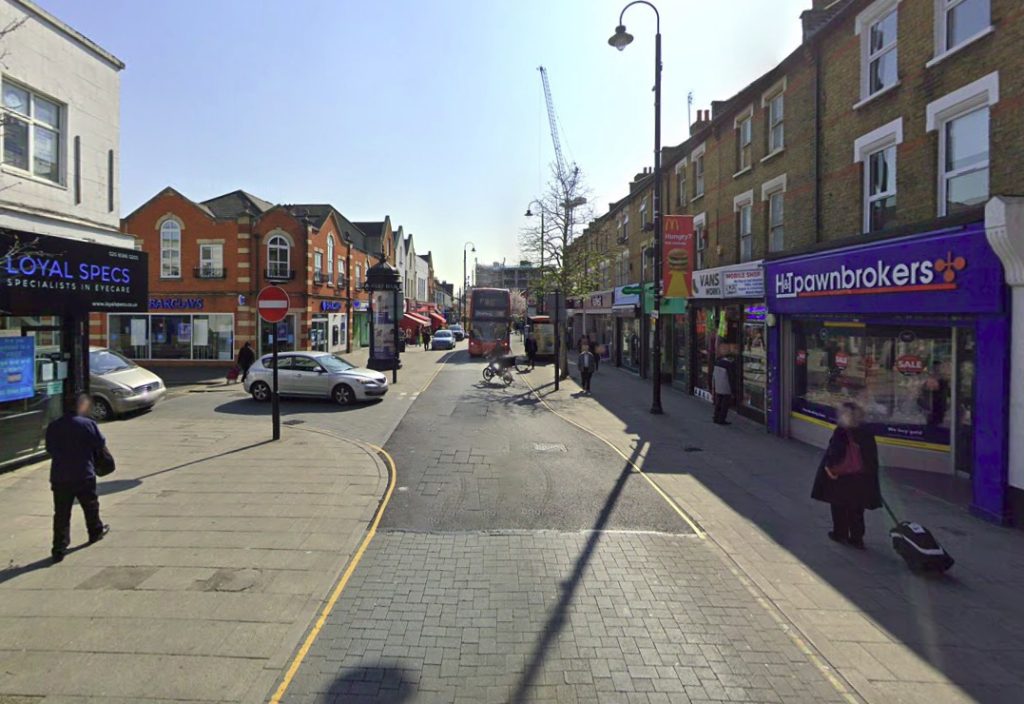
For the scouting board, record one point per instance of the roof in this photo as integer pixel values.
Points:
(70, 32)
(314, 213)
(372, 229)
(235, 204)
(169, 191)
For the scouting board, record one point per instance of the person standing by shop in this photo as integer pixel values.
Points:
(847, 476)
(73, 441)
(585, 363)
(246, 358)
(531, 349)
(425, 338)
(722, 382)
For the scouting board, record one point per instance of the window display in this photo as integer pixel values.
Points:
(680, 350)
(755, 358)
(901, 376)
(150, 336)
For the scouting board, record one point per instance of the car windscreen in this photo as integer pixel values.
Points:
(106, 361)
(334, 364)
(442, 333)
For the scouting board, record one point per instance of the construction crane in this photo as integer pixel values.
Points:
(560, 164)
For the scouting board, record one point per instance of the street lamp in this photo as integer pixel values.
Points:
(620, 40)
(543, 246)
(465, 320)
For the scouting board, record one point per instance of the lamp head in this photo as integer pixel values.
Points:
(621, 39)
(529, 213)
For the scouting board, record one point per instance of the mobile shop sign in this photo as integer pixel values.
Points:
(933, 273)
(678, 254)
(740, 281)
(39, 272)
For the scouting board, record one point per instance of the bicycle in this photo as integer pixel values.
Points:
(499, 368)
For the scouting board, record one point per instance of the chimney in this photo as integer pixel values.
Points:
(703, 120)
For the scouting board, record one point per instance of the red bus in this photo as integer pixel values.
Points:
(490, 313)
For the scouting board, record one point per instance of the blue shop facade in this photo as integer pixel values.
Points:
(916, 330)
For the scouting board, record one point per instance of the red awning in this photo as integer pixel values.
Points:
(416, 318)
(438, 318)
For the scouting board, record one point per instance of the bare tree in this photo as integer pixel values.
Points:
(518, 300)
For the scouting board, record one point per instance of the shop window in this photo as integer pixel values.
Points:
(170, 250)
(754, 358)
(129, 335)
(901, 376)
(213, 336)
(171, 336)
(32, 127)
(285, 334)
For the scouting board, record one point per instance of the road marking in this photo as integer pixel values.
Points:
(636, 468)
(289, 675)
(787, 625)
(325, 613)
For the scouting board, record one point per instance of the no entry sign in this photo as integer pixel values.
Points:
(272, 304)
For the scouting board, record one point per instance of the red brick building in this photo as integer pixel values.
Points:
(209, 260)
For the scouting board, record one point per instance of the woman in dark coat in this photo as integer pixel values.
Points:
(849, 494)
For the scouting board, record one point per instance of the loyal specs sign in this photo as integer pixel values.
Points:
(39, 273)
(933, 273)
(678, 254)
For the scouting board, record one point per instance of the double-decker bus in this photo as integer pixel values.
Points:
(490, 313)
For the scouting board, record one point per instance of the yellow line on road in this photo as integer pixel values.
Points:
(636, 468)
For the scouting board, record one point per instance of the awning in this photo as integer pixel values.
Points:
(438, 318)
(416, 319)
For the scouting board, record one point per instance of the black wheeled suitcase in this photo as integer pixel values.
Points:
(918, 547)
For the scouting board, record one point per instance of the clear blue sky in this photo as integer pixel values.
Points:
(430, 111)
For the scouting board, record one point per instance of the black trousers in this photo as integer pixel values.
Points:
(722, 404)
(533, 360)
(848, 522)
(585, 375)
(64, 496)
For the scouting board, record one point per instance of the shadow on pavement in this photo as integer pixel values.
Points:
(289, 407)
(558, 616)
(15, 572)
(969, 624)
(382, 683)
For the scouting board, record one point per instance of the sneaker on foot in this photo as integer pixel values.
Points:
(832, 535)
(97, 538)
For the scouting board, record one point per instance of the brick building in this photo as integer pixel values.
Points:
(208, 261)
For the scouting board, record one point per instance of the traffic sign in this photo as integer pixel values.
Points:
(632, 290)
(272, 303)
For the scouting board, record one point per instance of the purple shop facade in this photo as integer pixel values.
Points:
(948, 279)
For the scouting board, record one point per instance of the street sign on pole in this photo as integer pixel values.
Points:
(272, 304)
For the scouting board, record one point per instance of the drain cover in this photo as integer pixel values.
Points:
(693, 448)
(293, 422)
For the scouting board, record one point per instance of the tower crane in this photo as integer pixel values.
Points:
(560, 164)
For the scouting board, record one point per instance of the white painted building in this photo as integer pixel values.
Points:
(422, 278)
(61, 130)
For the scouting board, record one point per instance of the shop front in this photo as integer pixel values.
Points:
(328, 327)
(48, 286)
(360, 324)
(727, 317)
(598, 323)
(628, 328)
(176, 328)
(915, 330)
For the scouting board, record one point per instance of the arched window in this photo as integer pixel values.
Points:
(170, 250)
(330, 259)
(278, 258)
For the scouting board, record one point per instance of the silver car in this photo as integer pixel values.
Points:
(118, 385)
(315, 374)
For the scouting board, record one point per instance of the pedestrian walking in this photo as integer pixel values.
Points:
(246, 358)
(531, 349)
(722, 386)
(425, 338)
(73, 441)
(847, 476)
(585, 363)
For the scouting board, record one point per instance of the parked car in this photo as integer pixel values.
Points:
(458, 332)
(118, 385)
(316, 374)
(443, 340)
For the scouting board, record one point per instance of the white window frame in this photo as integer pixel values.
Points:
(743, 206)
(981, 93)
(777, 91)
(681, 199)
(700, 231)
(170, 256)
(942, 49)
(888, 135)
(318, 265)
(697, 160)
(643, 215)
(207, 263)
(870, 16)
(274, 241)
(330, 260)
(744, 121)
(33, 123)
(770, 189)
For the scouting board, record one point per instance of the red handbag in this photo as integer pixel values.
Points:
(853, 460)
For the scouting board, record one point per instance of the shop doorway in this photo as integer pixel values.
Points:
(318, 341)
(963, 420)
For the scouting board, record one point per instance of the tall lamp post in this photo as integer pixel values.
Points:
(620, 40)
(543, 244)
(465, 320)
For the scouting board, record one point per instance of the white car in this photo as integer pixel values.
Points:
(315, 374)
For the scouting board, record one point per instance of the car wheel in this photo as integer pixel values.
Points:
(260, 391)
(101, 410)
(343, 395)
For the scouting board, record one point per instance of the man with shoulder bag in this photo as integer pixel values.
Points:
(78, 452)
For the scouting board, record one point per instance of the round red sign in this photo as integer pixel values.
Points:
(272, 303)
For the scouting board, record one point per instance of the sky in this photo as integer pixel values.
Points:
(430, 111)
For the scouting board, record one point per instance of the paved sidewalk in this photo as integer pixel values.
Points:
(222, 551)
(894, 636)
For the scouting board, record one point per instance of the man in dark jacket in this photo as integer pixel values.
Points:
(531, 349)
(585, 363)
(722, 381)
(72, 441)
(246, 358)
